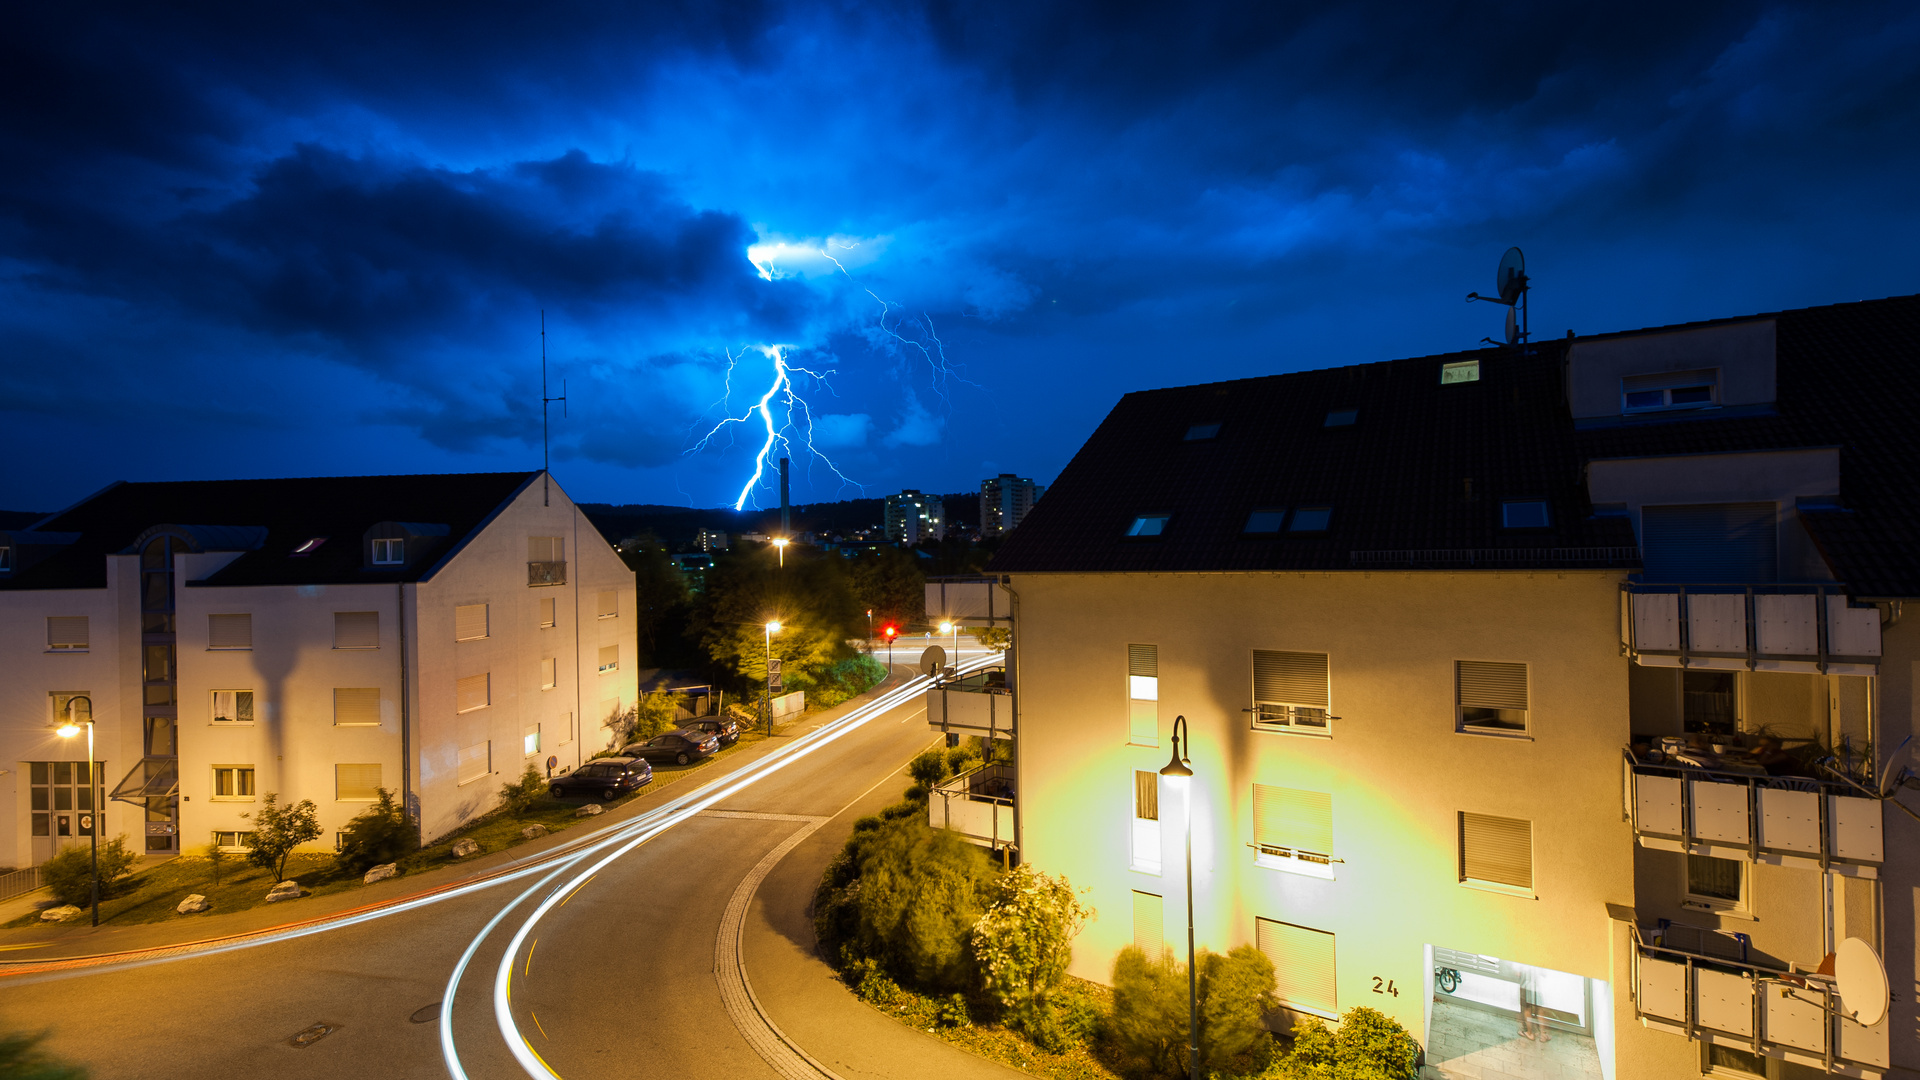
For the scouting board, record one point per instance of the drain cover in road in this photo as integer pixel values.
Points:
(313, 1035)
(426, 1014)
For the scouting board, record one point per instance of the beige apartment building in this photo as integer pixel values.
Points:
(320, 638)
(1550, 702)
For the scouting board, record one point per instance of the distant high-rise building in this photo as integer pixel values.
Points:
(913, 517)
(711, 540)
(1004, 502)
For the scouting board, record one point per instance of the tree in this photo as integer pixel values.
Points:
(1150, 1020)
(906, 897)
(658, 711)
(997, 638)
(810, 597)
(521, 795)
(381, 833)
(70, 873)
(277, 830)
(890, 583)
(1023, 944)
(661, 600)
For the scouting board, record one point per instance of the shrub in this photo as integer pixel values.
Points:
(520, 796)
(658, 711)
(70, 873)
(277, 830)
(906, 897)
(1148, 1031)
(961, 758)
(928, 768)
(1369, 1046)
(382, 833)
(22, 1059)
(1236, 993)
(1023, 944)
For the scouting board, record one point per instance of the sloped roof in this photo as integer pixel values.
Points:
(1420, 477)
(292, 511)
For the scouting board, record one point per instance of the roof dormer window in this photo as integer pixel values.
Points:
(1148, 525)
(1669, 390)
(389, 551)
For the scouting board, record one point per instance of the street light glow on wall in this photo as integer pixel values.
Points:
(1179, 777)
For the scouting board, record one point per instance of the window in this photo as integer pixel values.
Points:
(233, 706)
(566, 728)
(1715, 884)
(389, 551)
(1709, 702)
(356, 706)
(233, 841)
(530, 742)
(1265, 521)
(356, 783)
(1524, 514)
(67, 633)
(1146, 821)
(356, 629)
(469, 622)
(1202, 432)
(609, 658)
(1491, 696)
(62, 700)
(1290, 691)
(233, 782)
(1303, 966)
(1496, 851)
(1293, 829)
(308, 547)
(472, 692)
(475, 763)
(1148, 525)
(546, 560)
(1462, 372)
(547, 612)
(1342, 418)
(1670, 390)
(229, 631)
(1143, 695)
(6, 558)
(1310, 519)
(608, 604)
(1149, 923)
(549, 673)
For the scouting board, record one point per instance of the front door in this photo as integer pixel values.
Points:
(60, 798)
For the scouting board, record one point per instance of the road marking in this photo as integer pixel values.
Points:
(37, 945)
(736, 991)
(755, 815)
(528, 970)
(910, 716)
(543, 1030)
(576, 891)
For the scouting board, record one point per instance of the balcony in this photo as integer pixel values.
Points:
(978, 805)
(1802, 628)
(979, 703)
(969, 601)
(1705, 985)
(1731, 811)
(546, 573)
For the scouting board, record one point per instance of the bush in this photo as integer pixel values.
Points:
(1023, 944)
(22, 1059)
(520, 796)
(928, 768)
(382, 833)
(277, 830)
(658, 711)
(906, 897)
(70, 873)
(1369, 1046)
(1148, 1031)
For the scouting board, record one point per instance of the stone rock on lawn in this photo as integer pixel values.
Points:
(589, 810)
(465, 847)
(533, 832)
(381, 873)
(60, 914)
(193, 905)
(286, 890)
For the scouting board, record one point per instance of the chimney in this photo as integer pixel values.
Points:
(786, 515)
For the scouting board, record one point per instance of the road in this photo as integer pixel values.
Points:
(616, 979)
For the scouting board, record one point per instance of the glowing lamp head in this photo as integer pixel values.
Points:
(773, 628)
(1176, 771)
(781, 542)
(946, 628)
(67, 730)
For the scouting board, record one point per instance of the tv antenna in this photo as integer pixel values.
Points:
(1510, 279)
(545, 450)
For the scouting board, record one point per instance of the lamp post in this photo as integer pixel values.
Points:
(869, 631)
(954, 629)
(67, 731)
(1180, 777)
(780, 543)
(766, 698)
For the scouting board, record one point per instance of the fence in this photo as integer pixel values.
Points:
(19, 882)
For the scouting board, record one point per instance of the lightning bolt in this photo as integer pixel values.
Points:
(776, 434)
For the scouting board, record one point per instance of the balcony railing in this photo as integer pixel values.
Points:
(1731, 813)
(546, 573)
(980, 703)
(979, 805)
(1703, 984)
(1805, 628)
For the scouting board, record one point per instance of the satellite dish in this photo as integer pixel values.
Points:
(1513, 327)
(1511, 277)
(1862, 982)
(933, 660)
(1896, 766)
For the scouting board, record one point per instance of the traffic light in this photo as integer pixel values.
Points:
(891, 631)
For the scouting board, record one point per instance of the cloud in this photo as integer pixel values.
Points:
(836, 431)
(917, 427)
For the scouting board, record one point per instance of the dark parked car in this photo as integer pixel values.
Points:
(680, 746)
(605, 778)
(726, 729)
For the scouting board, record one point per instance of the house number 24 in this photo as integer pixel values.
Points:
(1385, 986)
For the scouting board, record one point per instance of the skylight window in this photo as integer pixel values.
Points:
(1670, 390)
(1266, 521)
(1148, 525)
(1464, 371)
(1342, 418)
(1523, 514)
(1310, 519)
(1202, 432)
(309, 547)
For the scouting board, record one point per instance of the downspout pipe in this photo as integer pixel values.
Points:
(406, 715)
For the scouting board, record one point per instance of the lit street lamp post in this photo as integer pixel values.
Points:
(954, 629)
(67, 731)
(766, 698)
(780, 543)
(1180, 777)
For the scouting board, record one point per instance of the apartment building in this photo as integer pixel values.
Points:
(319, 638)
(1547, 702)
(913, 517)
(1004, 502)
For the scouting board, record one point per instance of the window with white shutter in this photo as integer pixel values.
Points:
(476, 763)
(469, 622)
(1290, 691)
(472, 693)
(608, 604)
(1291, 826)
(1146, 821)
(549, 673)
(1496, 850)
(356, 629)
(356, 783)
(547, 617)
(1149, 924)
(67, 632)
(1143, 695)
(1491, 696)
(1303, 966)
(356, 706)
(609, 659)
(530, 739)
(229, 631)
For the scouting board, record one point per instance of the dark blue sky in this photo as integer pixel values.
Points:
(247, 243)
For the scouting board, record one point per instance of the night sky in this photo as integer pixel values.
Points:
(247, 243)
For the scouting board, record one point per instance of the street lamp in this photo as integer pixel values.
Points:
(954, 629)
(766, 698)
(780, 543)
(67, 731)
(1179, 777)
(869, 631)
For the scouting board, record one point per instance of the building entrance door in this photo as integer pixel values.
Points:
(60, 798)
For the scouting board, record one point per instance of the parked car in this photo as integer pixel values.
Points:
(681, 746)
(725, 728)
(604, 778)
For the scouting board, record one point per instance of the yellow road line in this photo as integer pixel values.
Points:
(36, 945)
(576, 892)
(528, 970)
(543, 1030)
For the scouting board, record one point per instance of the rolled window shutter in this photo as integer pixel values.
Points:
(1290, 678)
(356, 705)
(546, 611)
(1149, 921)
(230, 631)
(609, 658)
(356, 629)
(609, 604)
(475, 762)
(67, 631)
(469, 622)
(471, 693)
(356, 782)
(1293, 819)
(1146, 795)
(1496, 849)
(1492, 685)
(547, 673)
(1144, 661)
(1303, 965)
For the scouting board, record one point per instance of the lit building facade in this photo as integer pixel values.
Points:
(912, 518)
(1542, 702)
(1004, 502)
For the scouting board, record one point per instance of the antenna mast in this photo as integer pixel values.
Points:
(545, 451)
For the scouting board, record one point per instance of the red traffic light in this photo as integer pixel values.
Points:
(891, 631)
